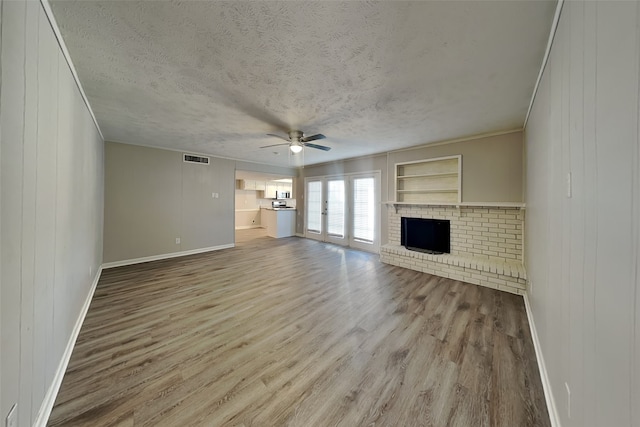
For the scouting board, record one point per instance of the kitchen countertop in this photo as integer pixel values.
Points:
(280, 209)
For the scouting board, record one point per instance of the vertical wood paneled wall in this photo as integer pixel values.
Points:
(581, 248)
(51, 207)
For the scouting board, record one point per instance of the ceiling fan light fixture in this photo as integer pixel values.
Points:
(295, 148)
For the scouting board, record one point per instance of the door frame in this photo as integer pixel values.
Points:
(324, 235)
(347, 240)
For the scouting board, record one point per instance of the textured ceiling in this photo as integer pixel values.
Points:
(215, 77)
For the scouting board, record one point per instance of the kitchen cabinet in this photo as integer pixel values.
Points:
(248, 184)
(284, 186)
(279, 223)
(270, 190)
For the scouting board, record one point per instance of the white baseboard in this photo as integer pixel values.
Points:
(544, 377)
(247, 227)
(165, 256)
(52, 392)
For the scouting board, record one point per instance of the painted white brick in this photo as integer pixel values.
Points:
(478, 236)
(478, 276)
(496, 281)
(497, 240)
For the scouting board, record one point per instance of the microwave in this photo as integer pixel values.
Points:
(283, 195)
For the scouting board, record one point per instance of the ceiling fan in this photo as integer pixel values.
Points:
(297, 141)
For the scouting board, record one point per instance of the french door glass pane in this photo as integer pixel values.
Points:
(335, 212)
(364, 209)
(314, 206)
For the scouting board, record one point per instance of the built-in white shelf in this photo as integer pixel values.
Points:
(422, 175)
(432, 181)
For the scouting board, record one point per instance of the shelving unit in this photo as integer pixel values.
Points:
(430, 181)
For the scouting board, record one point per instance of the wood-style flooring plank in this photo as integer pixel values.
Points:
(294, 332)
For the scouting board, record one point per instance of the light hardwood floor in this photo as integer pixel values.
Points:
(294, 332)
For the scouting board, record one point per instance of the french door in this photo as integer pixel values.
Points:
(326, 210)
(344, 210)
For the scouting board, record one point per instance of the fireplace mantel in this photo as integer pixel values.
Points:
(519, 205)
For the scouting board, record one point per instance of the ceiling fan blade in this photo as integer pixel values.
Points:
(319, 147)
(274, 145)
(313, 138)
(279, 136)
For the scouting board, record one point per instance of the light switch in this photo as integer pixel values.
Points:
(568, 185)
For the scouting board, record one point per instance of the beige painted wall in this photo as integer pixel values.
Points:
(582, 252)
(491, 171)
(491, 166)
(51, 204)
(152, 197)
(247, 208)
(247, 199)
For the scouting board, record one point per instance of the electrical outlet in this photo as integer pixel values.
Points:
(177, 240)
(566, 385)
(12, 417)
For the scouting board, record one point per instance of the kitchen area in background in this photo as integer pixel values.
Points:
(265, 201)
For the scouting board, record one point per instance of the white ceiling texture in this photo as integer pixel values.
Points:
(215, 77)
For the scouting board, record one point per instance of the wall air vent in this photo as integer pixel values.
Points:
(192, 158)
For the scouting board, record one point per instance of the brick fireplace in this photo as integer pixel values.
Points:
(486, 245)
